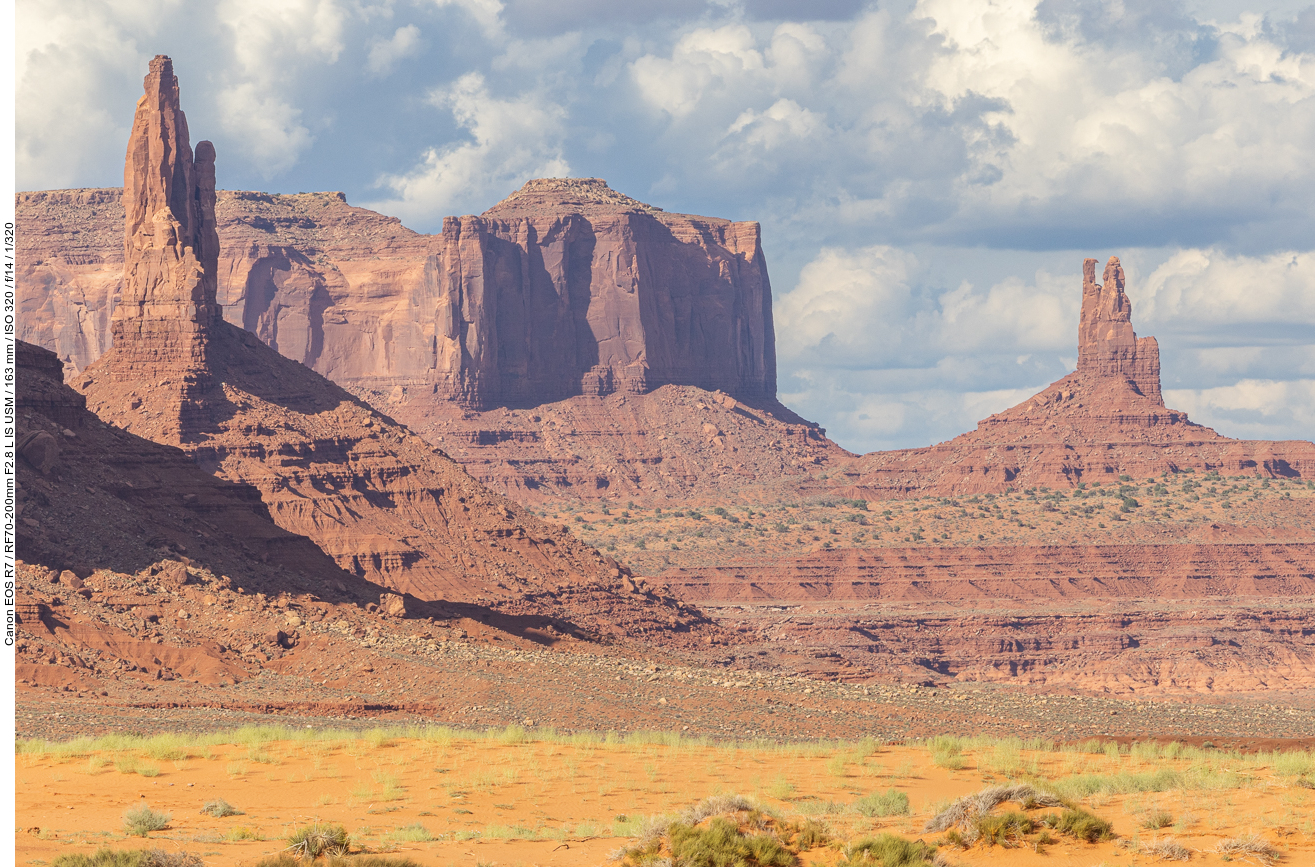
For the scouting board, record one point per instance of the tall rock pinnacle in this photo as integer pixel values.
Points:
(1107, 345)
(170, 244)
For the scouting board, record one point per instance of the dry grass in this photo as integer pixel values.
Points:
(1251, 846)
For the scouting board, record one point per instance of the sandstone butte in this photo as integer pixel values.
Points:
(386, 506)
(571, 341)
(1104, 420)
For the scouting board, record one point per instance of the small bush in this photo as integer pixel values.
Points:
(1167, 849)
(319, 838)
(892, 802)
(1156, 820)
(721, 843)
(1249, 846)
(141, 820)
(888, 850)
(219, 808)
(1078, 823)
(1004, 829)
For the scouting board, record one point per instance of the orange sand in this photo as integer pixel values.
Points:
(488, 801)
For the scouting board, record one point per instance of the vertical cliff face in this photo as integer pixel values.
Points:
(569, 288)
(1108, 348)
(385, 505)
(170, 245)
(160, 325)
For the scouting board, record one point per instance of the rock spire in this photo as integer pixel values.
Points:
(1107, 345)
(170, 244)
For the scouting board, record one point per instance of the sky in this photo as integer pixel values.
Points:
(929, 175)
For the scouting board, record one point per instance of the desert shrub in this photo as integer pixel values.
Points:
(722, 844)
(219, 808)
(964, 813)
(318, 838)
(141, 820)
(892, 802)
(1167, 849)
(129, 858)
(1156, 820)
(1078, 823)
(811, 835)
(1248, 846)
(721, 831)
(888, 850)
(1004, 829)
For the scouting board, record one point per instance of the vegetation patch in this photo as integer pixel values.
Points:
(888, 850)
(128, 858)
(1249, 846)
(141, 820)
(1166, 849)
(219, 808)
(891, 802)
(723, 831)
(318, 838)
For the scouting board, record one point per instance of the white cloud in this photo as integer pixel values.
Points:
(75, 65)
(265, 128)
(487, 14)
(1210, 289)
(703, 59)
(1252, 409)
(510, 141)
(385, 53)
(274, 41)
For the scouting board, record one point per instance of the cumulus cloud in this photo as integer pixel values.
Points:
(385, 53)
(870, 340)
(76, 65)
(510, 141)
(271, 39)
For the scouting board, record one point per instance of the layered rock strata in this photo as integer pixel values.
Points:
(384, 504)
(1105, 420)
(97, 497)
(564, 288)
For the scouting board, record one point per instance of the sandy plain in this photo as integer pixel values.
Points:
(514, 797)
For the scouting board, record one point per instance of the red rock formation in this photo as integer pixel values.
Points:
(338, 289)
(564, 288)
(150, 502)
(1024, 574)
(170, 249)
(385, 505)
(567, 287)
(1108, 348)
(1105, 419)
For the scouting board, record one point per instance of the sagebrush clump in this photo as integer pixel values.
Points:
(319, 838)
(141, 820)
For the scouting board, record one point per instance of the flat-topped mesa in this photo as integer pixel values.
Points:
(1108, 348)
(568, 287)
(168, 300)
(566, 194)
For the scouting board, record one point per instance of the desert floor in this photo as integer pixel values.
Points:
(1187, 507)
(511, 797)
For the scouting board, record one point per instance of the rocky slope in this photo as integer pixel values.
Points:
(566, 296)
(381, 502)
(1105, 420)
